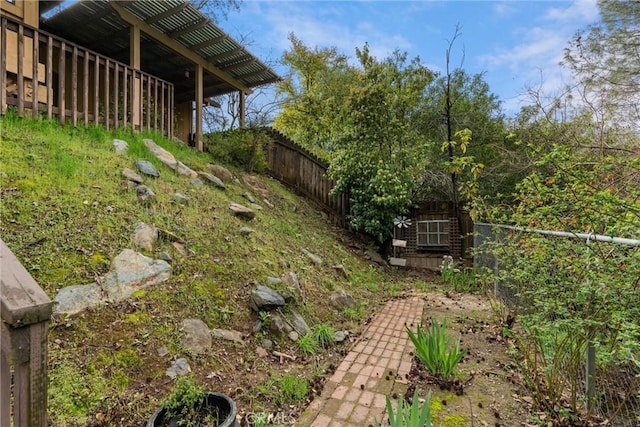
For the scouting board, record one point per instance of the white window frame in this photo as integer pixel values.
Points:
(432, 239)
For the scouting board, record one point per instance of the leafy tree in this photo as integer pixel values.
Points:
(605, 59)
(454, 102)
(314, 95)
(379, 149)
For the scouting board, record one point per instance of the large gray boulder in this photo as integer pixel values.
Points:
(298, 323)
(74, 299)
(130, 272)
(212, 179)
(221, 172)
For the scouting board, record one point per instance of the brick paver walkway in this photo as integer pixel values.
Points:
(375, 367)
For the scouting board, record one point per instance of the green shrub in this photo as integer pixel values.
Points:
(239, 147)
(291, 389)
(414, 415)
(434, 349)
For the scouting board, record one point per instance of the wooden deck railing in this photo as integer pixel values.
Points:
(25, 311)
(306, 173)
(66, 80)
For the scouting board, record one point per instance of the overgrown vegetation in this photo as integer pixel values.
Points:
(66, 215)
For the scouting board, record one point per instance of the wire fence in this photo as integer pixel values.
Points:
(615, 387)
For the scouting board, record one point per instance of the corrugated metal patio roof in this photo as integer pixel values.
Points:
(97, 26)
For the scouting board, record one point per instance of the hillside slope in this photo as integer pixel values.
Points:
(66, 214)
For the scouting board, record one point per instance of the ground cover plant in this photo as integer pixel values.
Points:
(65, 214)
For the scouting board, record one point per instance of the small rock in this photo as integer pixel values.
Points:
(255, 206)
(166, 257)
(293, 336)
(257, 326)
(196, 338)
(298, 323)
(339, 268)
(267, 344)
(265, 298)
(341, 300)
(221, 172)
(211, 178)
(179, 247)
(291, 280)
(179, 367)
(268, 203)
(162, 351)
(314, 258)
(242, 211)
(246, 231)
(131, 175)
(271, 281)
(120, 145)
(145, 236)
(145, 167)
(261, 352)
(197, 182)
(340, 336)
(228, 335)
(249, 197)
(145, 194)
(279, 326)
(180, 198)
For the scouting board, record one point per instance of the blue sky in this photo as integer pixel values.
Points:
(517, 44)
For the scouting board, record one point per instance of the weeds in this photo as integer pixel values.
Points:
(308, 343)
(435, 350)
(324, 334)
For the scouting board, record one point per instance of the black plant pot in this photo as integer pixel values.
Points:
(225, 406)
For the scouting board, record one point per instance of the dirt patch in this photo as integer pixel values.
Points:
(487, 390)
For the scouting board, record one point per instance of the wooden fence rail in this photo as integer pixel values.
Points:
(41, 72)
(25, 310)
(306, 173)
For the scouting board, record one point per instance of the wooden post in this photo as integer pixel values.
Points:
(116, 89)
(35, 92)
(96, 90)
(85, 88)
(20, 81)
(25, 311)
(49, 77)
(74, 86)
(107, 83)
(241, 108)
(62, 76)
(199, 95)
(136, 80)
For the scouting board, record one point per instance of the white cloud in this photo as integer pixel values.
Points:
(577, 11)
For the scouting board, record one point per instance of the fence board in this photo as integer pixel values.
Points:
(74, 86)
(116, 91)
(61, 82)
(85, 88)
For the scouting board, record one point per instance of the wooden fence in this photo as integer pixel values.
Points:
(41, 72)
(305, 173)
(25, 310)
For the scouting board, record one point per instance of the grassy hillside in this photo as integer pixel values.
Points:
(66, 214)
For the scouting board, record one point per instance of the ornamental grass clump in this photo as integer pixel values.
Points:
(416, 414)
(435, 349)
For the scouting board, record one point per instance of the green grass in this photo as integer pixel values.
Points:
(66, 215)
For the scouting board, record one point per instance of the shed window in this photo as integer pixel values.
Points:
(433, 233)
